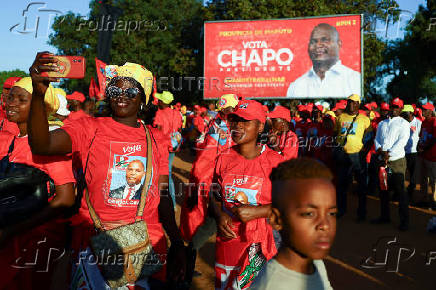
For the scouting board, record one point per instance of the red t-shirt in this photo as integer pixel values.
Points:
(428, 132)
(301, 128)
(169, 119)
(288, 144)
(244, 181)
(6, 126)
(115, 145)
(76, 115)
(57, 167)
(199, 124)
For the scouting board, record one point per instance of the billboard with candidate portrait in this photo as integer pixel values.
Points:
(317, 57)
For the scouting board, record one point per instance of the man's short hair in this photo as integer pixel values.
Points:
(137, 161)
(299, 168)
(329, 27)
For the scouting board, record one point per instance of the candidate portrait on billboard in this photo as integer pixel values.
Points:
(327, 77)
(310, 57)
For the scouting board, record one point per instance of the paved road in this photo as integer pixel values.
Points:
(405, 253)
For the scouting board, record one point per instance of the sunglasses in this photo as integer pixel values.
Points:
(115, 92)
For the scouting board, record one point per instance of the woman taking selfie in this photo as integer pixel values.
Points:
(125, 175)
(28, 232)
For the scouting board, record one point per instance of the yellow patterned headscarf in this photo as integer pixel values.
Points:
(50, 98)
(227, 100)
(133, 70)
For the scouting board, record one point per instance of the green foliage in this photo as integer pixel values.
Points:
(411, 60)
(167, 42)
(4, 75)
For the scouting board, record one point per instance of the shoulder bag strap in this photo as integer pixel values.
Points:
(148, 173)
(11, 147)
(349, 129)
(5, 162)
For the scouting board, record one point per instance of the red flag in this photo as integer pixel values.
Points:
(93, 89)
(100, 67)
(154, 92)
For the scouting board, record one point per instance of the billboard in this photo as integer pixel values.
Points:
(317, 57)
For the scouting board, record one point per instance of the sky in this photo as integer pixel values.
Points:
(19, 46)
(18, 50)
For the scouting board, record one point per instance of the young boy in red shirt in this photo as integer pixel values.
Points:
(304, 211)
(242, 201)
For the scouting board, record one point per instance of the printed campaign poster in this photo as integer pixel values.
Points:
(125, 179)
(318, 57)
(242, 189)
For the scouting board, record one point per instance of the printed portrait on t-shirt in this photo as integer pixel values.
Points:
(126, 176)
(242, 189)
(346, 125)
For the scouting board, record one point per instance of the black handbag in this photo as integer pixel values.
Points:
(24, 190)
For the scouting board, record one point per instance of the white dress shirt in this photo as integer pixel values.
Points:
(339, 81)
(392, 136)
(134, 189)
(415, 129)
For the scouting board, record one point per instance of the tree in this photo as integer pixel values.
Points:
(411, 60)
(273, 9)
(162, 35)
(4, 75)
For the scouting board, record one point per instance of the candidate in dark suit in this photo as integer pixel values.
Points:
(134, 174)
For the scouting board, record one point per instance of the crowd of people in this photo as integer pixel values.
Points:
(270, 181)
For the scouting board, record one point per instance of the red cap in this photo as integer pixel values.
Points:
(76, 96)
(301, 108)
(340, 105)
(203, 109)
(309, 107)
(384, 106)
(9, 83)
(250, 110)
(373, 105)
(397, 102)
(377, 114)
(368, 106)
(428, 106)
(414, 106)
(319, 107)
(196, 107)
(280, 112)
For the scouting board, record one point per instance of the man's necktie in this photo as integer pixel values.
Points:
(129, 195)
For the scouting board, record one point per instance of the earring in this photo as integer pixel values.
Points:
(142, 107)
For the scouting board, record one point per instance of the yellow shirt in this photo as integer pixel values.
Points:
(354, 139)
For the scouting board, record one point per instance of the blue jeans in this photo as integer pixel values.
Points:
(347, 166)
(171, 187)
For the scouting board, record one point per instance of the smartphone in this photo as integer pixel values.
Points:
(70, 67)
